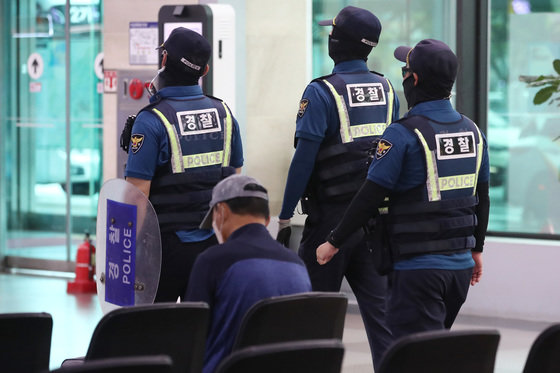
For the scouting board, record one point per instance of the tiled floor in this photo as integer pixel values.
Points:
(75, 318)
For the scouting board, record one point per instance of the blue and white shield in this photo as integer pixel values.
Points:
(128, 254)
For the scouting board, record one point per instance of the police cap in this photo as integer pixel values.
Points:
(357, 24)
(187, 51)
(432, 60)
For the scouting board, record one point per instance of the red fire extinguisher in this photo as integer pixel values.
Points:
(85, 269)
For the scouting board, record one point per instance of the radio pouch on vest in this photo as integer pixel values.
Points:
(127, 132)
(378, 245)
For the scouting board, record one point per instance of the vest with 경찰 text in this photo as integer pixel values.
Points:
(200, 139)
(364, 102)
(439, 216)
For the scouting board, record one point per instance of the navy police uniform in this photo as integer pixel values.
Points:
(185, 143)
(431, 160)
(339, 117)
(231, 277)
(433, 165)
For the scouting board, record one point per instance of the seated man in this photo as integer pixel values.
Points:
(247, 266)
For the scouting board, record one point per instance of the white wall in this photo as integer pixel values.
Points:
(521, 280)
(277, 47)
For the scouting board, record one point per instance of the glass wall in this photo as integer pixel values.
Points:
(50, 141)
(523, 137)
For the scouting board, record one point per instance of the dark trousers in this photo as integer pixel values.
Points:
(426, 299)
(354, 262)
(177, 259)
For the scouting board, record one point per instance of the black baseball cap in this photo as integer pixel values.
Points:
(187, 51)
(432, 60)
(357, 24)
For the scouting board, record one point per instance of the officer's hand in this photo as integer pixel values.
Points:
(477, 270)
(284, 232)
(325, 252)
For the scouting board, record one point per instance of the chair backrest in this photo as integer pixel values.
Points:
(544, 355)
(443, 351)
(323, 356)
(129, 364)
(25, 342)
(174, 329)
(313, 315)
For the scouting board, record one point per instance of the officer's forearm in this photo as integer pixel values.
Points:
(363, 206)
(300, 171)
(482, 215)
(143, 185)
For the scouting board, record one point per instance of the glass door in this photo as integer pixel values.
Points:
(50, 130)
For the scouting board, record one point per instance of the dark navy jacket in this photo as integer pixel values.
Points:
(231, 277)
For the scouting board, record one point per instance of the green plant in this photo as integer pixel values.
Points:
(550, 85)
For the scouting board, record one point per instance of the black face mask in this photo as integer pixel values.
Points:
(341, 49)
(336, 50)
(409, 91)
(416, 94)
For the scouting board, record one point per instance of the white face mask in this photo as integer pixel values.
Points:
(217, 231)
(156, 84)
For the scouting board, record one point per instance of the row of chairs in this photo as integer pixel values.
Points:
(179, 330)
(297, 333)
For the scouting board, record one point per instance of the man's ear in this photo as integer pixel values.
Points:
(415, 78)
(225, 210)
(206, 69)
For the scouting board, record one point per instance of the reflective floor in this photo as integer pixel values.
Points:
(75, 317)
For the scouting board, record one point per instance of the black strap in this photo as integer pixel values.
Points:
(331, 151)
(183, 198)
(426, 247)
(434, 226)
(434, 206)
(342, 189)
(346, 169)
(207, 176)
(359, 147)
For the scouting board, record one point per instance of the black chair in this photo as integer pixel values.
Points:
(174, 329)
(443, 351)
(129, 364)
(324, 356)
(313, 315)
(544, 355)
(25, 342)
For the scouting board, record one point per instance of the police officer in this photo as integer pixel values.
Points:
(182, 144)
(433, 165)
(339, 116)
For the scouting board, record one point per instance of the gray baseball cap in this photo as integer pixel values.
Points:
(234, 186)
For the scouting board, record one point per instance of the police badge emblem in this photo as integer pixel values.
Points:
(383, 148)
(302, 107)
(136, 142)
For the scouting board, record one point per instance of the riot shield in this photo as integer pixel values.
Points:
(128, 252)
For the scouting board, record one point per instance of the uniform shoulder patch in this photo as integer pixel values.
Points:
(383, 148)
(302, 107)
(136, 142)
